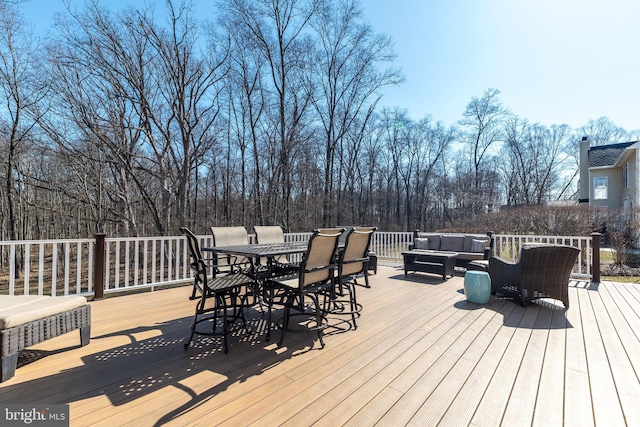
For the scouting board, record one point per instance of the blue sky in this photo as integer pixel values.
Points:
(554, 61)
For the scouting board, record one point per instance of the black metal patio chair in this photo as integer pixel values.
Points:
(352, 261)
(230, 236)
(301, 293)
(273, 234)
(219, 296)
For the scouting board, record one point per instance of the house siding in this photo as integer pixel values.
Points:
(631, 190)
(609, 161)
(633, 178)
(614, 188)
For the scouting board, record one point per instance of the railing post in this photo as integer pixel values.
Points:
(595, 258)
(98, 266)
(491, 243)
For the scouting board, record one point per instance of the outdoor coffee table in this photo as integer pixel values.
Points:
(434, 262)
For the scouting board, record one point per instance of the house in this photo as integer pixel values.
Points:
(609, 174)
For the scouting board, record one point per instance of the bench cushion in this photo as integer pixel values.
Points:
(17, 310)
(466, 256)
(452, 243)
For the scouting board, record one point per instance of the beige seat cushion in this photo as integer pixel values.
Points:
(20, 309)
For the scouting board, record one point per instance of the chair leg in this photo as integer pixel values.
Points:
(300, 308)
(353, 303)
(238, 309)
(85, 335)
(195, 322)
(319, 319)
(269, 309)
(188, 343)
(220, 309)
(340, 306)
(194, 290)
(225, 325)
(285, 323)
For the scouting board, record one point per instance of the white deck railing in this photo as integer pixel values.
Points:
(69, 267)
(46, 267)
(507, 246)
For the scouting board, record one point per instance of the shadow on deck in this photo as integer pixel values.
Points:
(421, 354)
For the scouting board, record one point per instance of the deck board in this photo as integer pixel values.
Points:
(525, 389)
(549, 408)
(421, 355)
(463, 407)
(429, 371)
(606, 404)
(619, 344)
(471, 348)
(578, 408)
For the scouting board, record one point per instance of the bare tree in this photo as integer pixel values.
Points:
(247, 98)
(21, 90)
(435, 142)
(278, 30)
(347, 78)
(482, 127)
(532, 158)
(95, 66)
(356, 172)
(139, 95)
(183, 131)
(393, 124)
(144, 127)
(603, 131)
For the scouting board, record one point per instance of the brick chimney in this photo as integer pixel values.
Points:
(583, 192)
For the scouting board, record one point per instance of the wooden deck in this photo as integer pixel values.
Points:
(422, 355)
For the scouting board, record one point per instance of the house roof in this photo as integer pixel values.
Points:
(607, 155)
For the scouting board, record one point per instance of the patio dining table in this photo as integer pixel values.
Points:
(260, 249)
(257, 252)
(259, 272)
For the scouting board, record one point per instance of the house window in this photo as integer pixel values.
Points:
(600, 185)
(625, 176)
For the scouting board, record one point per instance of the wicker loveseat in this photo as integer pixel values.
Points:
(26, 320)
(541, 271)
(469, 247)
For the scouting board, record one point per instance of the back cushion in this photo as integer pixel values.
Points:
(452, 242)
(469, 238)
(434, 240)
(421, 243)
(478, 245)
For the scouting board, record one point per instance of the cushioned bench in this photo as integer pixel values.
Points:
(26, 320)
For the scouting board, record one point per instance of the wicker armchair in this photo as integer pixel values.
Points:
(541, 271)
